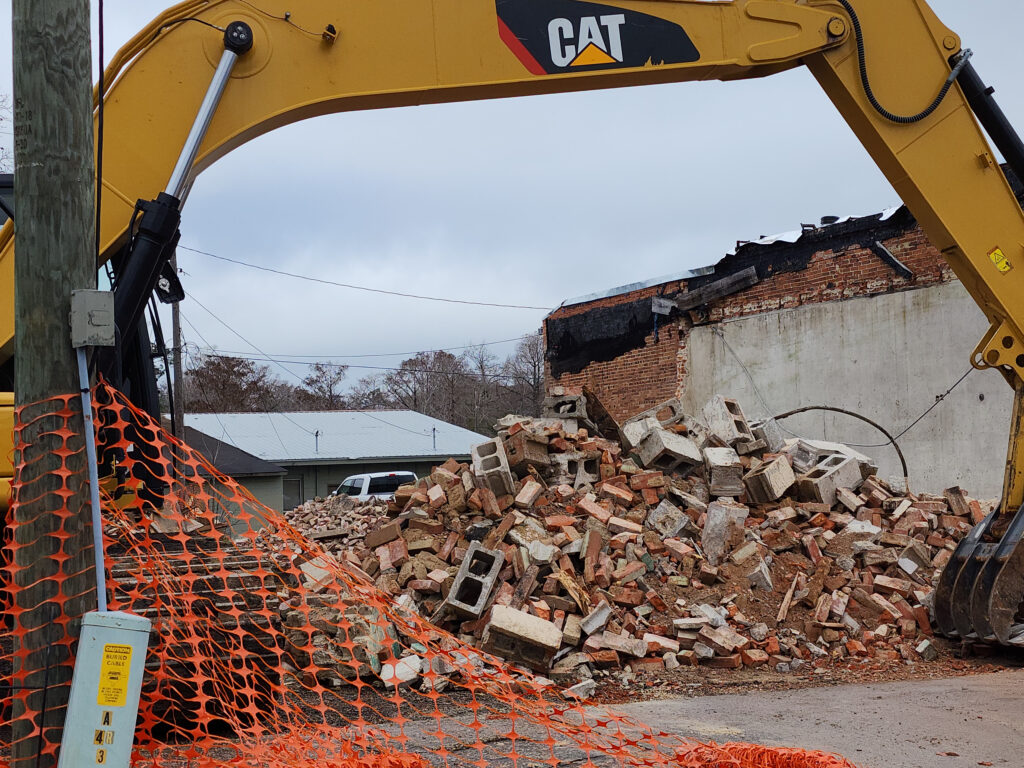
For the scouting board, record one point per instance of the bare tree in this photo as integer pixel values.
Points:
(219, 383)
(524, 371)
(321, 389)
(370, 394)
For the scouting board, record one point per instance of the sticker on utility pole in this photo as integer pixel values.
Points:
(113, 689)
(999, 259)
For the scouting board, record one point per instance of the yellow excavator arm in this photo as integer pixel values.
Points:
(899, 77)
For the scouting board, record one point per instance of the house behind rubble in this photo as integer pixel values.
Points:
(859, 313)
(319, 449)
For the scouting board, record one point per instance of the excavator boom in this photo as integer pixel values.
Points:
(899, 77)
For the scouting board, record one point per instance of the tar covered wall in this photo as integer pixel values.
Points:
(862, 314)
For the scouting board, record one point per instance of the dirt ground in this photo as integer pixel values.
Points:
(952, 662)
(939, 723)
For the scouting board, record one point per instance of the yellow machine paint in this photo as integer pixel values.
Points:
(324, 56)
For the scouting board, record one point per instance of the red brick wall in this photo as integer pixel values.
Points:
(641, 378)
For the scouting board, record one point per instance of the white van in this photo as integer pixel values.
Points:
(379, 485)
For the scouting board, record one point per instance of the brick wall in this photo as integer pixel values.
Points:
(657, 371)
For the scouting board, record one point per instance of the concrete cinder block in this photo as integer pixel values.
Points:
(577, 469)
(566, 407)
(521, 637)
(666, 414)
(490, 465)
(771, 433)
(821, 483)
(725, 420)
(524, 450)
(475, 580)
(724, 471)
(666, 451)
(770, 481)
(806, 455)
(635, 430)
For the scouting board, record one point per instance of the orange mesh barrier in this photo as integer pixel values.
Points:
(267, 652)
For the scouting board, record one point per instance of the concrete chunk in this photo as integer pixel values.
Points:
(596, 620)
(521, 637)
(668, 520)
(723, 529)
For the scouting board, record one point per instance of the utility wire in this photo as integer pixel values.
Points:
(217, 416)
(939, 399)
(267, 357)
(387, 354)
(360, 287)
(464, 374)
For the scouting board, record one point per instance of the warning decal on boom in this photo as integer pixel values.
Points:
(556, 36)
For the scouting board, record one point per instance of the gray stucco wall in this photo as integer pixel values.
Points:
(886, 357)
(267, 490)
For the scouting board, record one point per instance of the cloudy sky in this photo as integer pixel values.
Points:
(486, 202)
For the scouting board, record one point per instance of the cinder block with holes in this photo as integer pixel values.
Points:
(725, 420)
(833, 472)
(490, 464)
(666, 451)
(475, 580)
(525, 449)
(565, 406)
(771, 433)
(806, 456)
(770, 481)
(576, 469)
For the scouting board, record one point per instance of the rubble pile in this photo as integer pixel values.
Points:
(337, 522)
(575, 546)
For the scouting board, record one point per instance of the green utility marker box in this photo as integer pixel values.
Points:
(105, 688)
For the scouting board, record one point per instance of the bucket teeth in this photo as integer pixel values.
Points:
(981, 591)
(950, 576)
(963, 591)
(1007, 592)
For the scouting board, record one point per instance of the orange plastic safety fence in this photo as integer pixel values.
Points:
(266, 651)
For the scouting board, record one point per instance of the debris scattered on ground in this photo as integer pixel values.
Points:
(582, 549)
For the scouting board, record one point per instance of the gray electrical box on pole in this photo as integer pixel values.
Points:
(100, 726)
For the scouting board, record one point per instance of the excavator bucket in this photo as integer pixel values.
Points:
(981, 592)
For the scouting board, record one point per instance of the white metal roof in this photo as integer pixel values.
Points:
(337, 435)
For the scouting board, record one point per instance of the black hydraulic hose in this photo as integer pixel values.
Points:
(865, 80)
(879, 427)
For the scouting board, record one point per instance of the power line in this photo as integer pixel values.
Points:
(465, 374)
(292, 373)
(384, 354)
(939, 399)
(361, 287)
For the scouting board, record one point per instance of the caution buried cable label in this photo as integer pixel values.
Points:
(113, 688)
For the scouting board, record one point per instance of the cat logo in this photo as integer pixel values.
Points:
(553, 37)
(598, 40)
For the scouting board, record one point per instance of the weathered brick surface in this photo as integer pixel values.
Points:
(644, 377)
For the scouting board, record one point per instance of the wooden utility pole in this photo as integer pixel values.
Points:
(54, 232)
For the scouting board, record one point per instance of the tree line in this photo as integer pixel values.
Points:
(472, 389)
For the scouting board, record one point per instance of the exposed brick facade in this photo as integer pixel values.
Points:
(792, 275)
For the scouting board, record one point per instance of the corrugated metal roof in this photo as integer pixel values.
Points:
(337, 435)
(686, 274)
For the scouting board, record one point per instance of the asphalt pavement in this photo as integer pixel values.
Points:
(950, 723)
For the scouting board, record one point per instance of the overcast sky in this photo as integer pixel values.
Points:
(485, 202)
